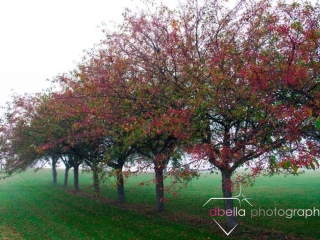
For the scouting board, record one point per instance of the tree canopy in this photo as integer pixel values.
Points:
(236, 86)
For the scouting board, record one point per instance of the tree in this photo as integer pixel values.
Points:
(53, 131)
(33, 133)
(299, 48)
(95, 123)
(245, 54)
(71, 161)
(115, 157)
(70, 137)
(100, 119)
(139, 69)
(19, 137)
(204, 72)
(237, 85)
(212, 74)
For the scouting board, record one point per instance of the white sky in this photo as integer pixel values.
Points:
(41, 38)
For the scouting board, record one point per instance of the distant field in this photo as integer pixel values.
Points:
(32, 208)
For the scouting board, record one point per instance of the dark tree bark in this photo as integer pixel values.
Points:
(54, 169)
(76, 176)
(120, 185)
(96, 180)
(66, 175)
(160, 157)
(159, 189)
(117, 166)
(95, 174)
(227, 193)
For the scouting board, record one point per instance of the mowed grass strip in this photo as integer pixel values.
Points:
(280, 192)
(36, 209)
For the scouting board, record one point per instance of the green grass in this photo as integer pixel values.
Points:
(32, 208)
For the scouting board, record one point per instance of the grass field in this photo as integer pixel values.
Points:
(32, 208)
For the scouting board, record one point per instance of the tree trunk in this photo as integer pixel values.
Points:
(227, 193)
(96, 184)
(159, 189)
(54, 170)
(120, 185)
(76, 176)
(66, 175)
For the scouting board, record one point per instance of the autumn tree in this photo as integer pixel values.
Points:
(145, 84)
(237, 85)
(35, 132)
(244, 56)
(209, 75)
(68, 138)
(19, 138)
(71, 160)
(95, 124)
(298, 57)
(87, 91)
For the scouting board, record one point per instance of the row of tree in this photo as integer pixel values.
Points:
(236, 86)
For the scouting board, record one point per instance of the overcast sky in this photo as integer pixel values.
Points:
(41, 38)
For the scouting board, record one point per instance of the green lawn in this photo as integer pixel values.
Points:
(32, 208)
